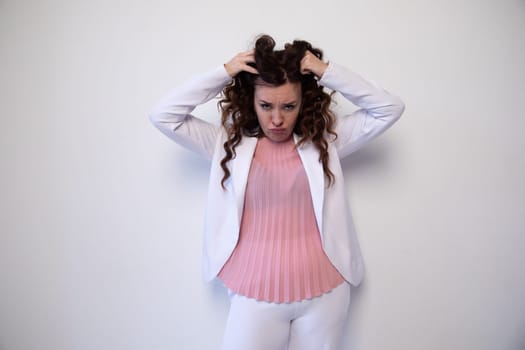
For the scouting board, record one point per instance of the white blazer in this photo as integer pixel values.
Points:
(378, 111)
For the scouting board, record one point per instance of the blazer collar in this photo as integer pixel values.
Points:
(240, 169)
(314, 171)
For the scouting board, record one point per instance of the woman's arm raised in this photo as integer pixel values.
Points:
(379, 109)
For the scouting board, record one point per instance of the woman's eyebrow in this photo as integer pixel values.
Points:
(284, 103)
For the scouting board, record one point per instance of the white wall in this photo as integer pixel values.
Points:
(101, 215)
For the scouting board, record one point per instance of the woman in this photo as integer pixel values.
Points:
(278, 231)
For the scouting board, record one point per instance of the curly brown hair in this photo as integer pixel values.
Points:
(276, 67)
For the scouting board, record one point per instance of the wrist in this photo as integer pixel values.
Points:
(228, 70)
(321, 69)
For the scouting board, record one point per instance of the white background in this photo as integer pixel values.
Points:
(101, 215)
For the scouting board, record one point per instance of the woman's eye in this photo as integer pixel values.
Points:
(265, 106)
(289, 107)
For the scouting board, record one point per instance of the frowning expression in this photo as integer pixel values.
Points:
(277, 109)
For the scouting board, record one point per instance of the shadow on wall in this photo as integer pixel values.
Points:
(192, 167)
(376, 155)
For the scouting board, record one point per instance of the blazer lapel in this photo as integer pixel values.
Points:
(314, 171)
(241, 169)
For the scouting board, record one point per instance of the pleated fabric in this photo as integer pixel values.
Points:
(279, 256)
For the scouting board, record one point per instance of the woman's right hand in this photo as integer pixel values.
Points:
(240, 62)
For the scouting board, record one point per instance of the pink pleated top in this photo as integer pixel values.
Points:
(279, 256)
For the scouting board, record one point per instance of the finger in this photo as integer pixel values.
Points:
(251, 69)
(250, 53)
(249, 58)
(305, 66)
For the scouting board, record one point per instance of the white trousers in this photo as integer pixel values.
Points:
(313, 324)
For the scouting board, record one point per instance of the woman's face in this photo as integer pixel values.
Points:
(277, 109)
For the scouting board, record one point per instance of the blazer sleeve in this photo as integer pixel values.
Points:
(378, 108)
(172, 114)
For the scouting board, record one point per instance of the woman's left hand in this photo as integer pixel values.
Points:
(311, 64)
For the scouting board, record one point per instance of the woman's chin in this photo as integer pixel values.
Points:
(278, 136)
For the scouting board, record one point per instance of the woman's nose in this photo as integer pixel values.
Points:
(277, 119)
